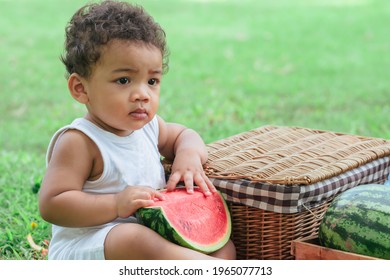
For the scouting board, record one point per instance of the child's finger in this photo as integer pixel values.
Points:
(189, 183)
(209, 184)
(158, 195)
(140, 203)
(173, 180)
(200, 182)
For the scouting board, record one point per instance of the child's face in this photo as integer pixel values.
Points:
(124, 87)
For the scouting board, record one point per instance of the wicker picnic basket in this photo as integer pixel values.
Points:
(279, 181)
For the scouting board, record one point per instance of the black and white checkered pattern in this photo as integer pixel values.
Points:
(297, 198)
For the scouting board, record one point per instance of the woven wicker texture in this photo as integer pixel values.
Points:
(290, 155)
(259, 234)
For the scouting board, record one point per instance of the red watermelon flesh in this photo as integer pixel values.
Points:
(193, 220)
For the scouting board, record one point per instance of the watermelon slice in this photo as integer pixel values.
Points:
(190, 220)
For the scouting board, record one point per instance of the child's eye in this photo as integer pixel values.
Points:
(123, 81)
(153, 82)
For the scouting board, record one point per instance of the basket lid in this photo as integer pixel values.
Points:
(290, 155)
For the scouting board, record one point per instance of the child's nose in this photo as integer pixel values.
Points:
(139, 93)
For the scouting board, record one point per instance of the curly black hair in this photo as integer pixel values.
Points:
(94, 25)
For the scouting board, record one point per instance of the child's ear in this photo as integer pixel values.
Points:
(76, 85)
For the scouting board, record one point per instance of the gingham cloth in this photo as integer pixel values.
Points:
(297, 198)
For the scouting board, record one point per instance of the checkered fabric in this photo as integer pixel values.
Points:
(297, 198)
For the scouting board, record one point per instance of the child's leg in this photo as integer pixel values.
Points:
(227, 252)
(134, 241)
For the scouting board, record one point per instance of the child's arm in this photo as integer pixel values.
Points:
(61, 201)
(187, 150)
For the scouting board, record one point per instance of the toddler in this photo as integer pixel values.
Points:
(104, 166)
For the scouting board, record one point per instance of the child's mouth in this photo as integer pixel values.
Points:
(139, 114)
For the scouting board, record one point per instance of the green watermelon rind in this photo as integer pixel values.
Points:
(159, 223)
(358, 221)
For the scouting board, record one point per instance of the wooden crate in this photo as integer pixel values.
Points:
(310, 249)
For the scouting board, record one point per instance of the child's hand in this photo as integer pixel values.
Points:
(188, 169)
(134, 197)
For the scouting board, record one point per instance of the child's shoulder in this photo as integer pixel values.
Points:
(74, 140)
(70, 140)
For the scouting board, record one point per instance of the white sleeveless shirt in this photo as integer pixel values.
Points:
(132, 160)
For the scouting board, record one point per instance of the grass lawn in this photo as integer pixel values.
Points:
(234, 65)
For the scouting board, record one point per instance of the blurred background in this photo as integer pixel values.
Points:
(235, 65)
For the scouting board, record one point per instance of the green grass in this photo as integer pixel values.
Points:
(234, 65)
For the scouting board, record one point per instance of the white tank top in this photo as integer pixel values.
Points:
(128, 161)
(132, 160)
